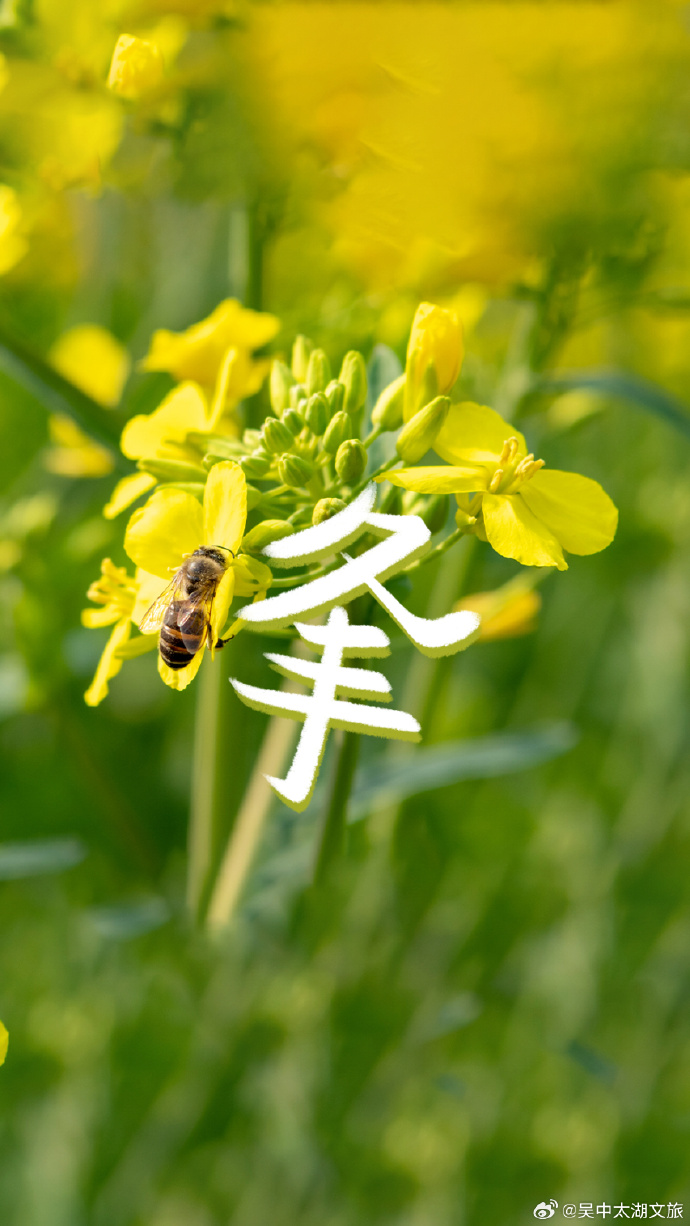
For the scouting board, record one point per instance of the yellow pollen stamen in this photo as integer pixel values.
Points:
(509, 452)
(495, 482)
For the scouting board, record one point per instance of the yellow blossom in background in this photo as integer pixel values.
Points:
(13, 244)
(121, 597)
(456, 135)
(198, 352)
(127, 490)
(136, 67)
(94, 361)
(524, 511)
(173, 523)
(4, 1042)
(73, 453)
(434, 356)
(162, 435)
(508, 612)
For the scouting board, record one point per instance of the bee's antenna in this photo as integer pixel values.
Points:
(225, 547)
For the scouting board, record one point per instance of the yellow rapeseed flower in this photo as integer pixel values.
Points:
(508, 612)
(199, 352)
(136, 67)
(123, 598)
(162, 435)
(434, 356)
(526, 512)
(73, 453)
(13, 244)
(4, 1042)
(94, 361)
(173, 524)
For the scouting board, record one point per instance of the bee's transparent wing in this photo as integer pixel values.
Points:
(153, 617)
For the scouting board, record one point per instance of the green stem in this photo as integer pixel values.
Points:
(437, 551)
(383, 468)
(205, 783)
(372, 436)
(332, 838)
(241, 847)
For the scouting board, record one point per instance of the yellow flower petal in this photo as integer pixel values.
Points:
(221, 604)
(108, 665)
(179, 678)
(75, 454)
(4, 1042)
(225, 506)
(126, 492)
(576, 509)
(474, 432)
(506, 613)
(13, 244)
(95, 618)
(93, 360)
(198, 352)
(436, 479)
(136, 67)
(514, 532)
(160, 533)
(434, 356)
(162, 433)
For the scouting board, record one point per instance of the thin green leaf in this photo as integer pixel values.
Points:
(425, 770)
(40, 857)
(621, 386)
(58, 395)
(127, 920)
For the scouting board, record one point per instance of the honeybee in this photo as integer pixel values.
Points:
(182, 612)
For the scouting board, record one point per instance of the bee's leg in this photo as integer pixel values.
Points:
(219, 644)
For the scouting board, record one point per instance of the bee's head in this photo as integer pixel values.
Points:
(219, 553)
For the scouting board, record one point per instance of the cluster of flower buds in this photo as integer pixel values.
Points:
(313, 447)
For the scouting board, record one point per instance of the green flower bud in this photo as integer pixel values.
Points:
(300, 357)
(326, 508)
(255, 466)
(388, 410)
(435, 513)
(275, 436)
(265, 532)
(339, 428)
(418, 435)
(298, 395)
(279, 387)
(295, 470)
(350, 461)
(293, 421)
(353, 375)
(306, 444)
(172, 470)
(317, 413)
(216, 445)
(318, 372)
(254, 497)
(335, 395)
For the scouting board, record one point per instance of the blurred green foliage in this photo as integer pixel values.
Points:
(488, 1005)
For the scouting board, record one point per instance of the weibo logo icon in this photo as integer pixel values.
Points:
(542, 1210)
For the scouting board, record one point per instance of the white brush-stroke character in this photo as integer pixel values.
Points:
(323, 709)
(405, 537)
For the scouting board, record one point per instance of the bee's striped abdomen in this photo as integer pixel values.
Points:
(182, 634)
